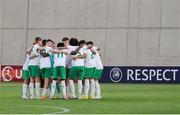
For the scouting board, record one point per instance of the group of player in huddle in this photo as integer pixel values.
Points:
(50, 67)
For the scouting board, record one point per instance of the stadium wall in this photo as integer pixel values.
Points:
(130, 32)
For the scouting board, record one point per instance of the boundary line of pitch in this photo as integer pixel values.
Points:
(64, 110)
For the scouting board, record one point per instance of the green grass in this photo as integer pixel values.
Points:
(117, 98)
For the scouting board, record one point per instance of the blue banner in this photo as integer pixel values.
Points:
(140, 74)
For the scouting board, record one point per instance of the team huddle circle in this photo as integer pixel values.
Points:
(51, 66)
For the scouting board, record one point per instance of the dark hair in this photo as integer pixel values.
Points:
(43, 42)
(73, 42)
(82, 42)
(49, 40)
(37, 39)
(60, 44)
(65, 39)
(86, 43)
(90, 42)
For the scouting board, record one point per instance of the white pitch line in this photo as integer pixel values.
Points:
(64, 110)
(9, 84)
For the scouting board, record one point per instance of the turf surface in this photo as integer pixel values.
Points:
(117, 98)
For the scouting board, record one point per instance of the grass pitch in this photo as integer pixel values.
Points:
(117, 98)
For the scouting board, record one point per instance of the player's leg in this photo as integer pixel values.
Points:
(50, 74)
(92, 80)
(37, 80)
(67, 88)
(80, 89)
(47, 75)
(46, 82)
(41, 81)
(63, 78)
(25, 75)
(81, 74)
(72, 87)
(97, 89)
(98, 75)
(63, 85)
(58, 88)
(54, 82)
(92, 95)
(37, 87)
(49, 89)
(43, 77)
(86, 88)
(53, 87)
(31, 87)
(25, 89)
(86, 84)
(32, 81)
(72, 76)
(67, 83)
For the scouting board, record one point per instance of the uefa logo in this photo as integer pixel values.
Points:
(116, 75)
(7, 73)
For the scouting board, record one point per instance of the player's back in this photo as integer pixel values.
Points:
(60, 59)
(78, 62)
(90, 58)
(35, 60)
(98, 61)
(45, 61)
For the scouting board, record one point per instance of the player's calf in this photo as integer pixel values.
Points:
(31, 87)
(53, 88)
(46, 82)
(63, 85)
(92, 95)
(72, 87)
(25, 90)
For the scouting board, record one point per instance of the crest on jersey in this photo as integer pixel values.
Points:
(116, 75)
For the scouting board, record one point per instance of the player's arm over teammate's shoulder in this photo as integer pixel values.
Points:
(60, 49)
(77, 50)
(28, 51)
(57, 51)
(79, 56)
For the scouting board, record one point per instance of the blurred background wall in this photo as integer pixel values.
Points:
(129, 32)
